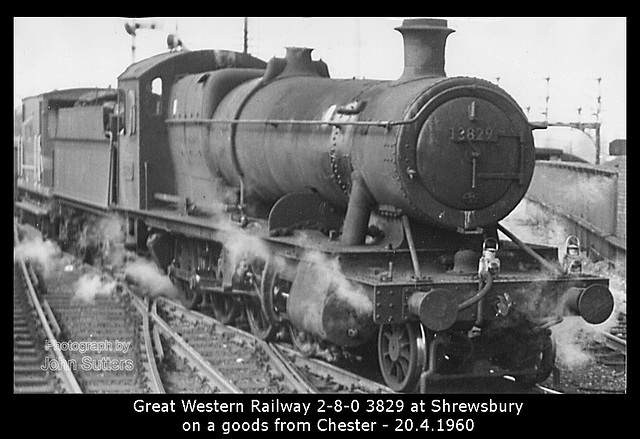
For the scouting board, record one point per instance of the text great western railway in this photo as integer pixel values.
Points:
(354, 406)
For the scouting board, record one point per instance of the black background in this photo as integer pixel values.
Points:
(549, 415)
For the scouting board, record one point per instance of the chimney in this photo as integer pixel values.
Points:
(299, 62)
(424, 42)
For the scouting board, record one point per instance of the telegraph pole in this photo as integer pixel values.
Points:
(597, 115)
(579, 125)
(546, 109)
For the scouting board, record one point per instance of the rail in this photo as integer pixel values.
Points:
(546, 390)
(152, 376)
(277, 361)
(143, 307)
(66, 373)
(292, 373)
(182, 349)
(614, 342)
(339, 378)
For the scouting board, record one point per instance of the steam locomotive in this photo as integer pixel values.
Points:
(342, 211)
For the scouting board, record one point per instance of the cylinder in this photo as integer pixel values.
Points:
(594, 303)
(324, 303)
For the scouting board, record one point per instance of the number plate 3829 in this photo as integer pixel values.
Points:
(472, 134)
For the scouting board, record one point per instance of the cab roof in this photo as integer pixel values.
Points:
(187, 61)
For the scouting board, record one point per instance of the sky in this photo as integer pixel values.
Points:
(63, 52)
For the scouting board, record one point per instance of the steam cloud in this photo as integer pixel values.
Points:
(109, 232)
(91, 285)
(147, 275)
(240, 244)
(43, 255)
(347, 291)
(573, 336)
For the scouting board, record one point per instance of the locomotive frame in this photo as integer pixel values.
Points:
(343, 229)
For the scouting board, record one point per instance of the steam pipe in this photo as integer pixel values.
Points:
(479, 318)
(358, 211)
(423, 304)
(488, 282)
(412, 246)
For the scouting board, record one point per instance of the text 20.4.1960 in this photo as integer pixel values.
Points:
(450, 424)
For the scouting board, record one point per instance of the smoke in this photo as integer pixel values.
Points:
(241, 244)
(113, 231)
(574, 337)
(149, 277)
(106, 236)
(532, 224)
(91, 285)
(42, 255)
(345, 290)
(532, 301)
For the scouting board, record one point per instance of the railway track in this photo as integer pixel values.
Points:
(109, 343)
(616, 337)
(327, 378)
(28, 344)
(104, 336)
(99, 342)
(602, 369)
(233, 361)
(613, 342)
(34, 329)
(611, 348)
(195, 353)
(538, 388)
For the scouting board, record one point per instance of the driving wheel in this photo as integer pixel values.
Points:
(402, 354)
(260, 323)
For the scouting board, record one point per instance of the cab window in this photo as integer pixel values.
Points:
(156, 97)
(133, 107)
